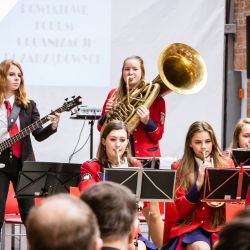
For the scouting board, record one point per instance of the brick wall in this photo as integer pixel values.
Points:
(241, 10)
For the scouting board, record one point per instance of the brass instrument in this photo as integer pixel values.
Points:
(181, 69)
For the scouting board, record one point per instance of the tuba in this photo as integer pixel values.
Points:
(181, 69)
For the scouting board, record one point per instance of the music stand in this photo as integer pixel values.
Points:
(149, 162)
(146, 184)
(241, 157)
(156, 162)
(227, 185)
(39, 179)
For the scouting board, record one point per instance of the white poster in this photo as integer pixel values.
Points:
(59, 42)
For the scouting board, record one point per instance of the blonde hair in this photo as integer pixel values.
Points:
(237, 130)
(21, 98)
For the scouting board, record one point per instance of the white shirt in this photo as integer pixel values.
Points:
(199, 161)
(4, 134)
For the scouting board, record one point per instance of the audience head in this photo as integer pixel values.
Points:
(62, 222)
(241, 134)
(235, 234)
(114, 140)
(115, 209)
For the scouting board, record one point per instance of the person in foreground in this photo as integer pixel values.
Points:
(17, 112)
(235, 235)
(115, 208)
(62, 222)
(197, 222)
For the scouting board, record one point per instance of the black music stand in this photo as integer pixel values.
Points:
(226, 185)
(146, 184)
(90, 114)
(241, 157)
(39, 179)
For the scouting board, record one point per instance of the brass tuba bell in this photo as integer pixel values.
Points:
(181, 69)
(215, 203)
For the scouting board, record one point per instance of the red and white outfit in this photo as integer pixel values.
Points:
(248, 196)
(187, 202)
(145, 138)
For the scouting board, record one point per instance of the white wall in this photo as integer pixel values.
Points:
(144, 27)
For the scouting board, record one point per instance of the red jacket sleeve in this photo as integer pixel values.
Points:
(183, 205)
(155, 126)
(88, 174)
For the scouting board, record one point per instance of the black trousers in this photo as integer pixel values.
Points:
(10, 173)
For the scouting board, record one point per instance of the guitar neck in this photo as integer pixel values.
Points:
(26, 131)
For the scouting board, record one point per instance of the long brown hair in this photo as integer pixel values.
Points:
(121, 90)
(21, 98)
(101, 152)
(186, 170)
(237, 130)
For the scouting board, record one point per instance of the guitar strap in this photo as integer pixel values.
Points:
(13, 116)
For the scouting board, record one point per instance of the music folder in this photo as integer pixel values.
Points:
(226, 185)
(146, 184)
(39, 179)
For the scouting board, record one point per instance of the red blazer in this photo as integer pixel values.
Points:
(248, 196)
(90, 173)
(145, 137)
(188, 201)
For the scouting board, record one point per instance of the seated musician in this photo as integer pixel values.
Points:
(241, 139)
(113, 152)
(197, 222)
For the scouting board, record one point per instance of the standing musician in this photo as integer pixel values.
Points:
(197, 222)
(13, 99)
(145, 138)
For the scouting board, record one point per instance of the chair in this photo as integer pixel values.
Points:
(171, 216)
(12, 216)
(232, 209)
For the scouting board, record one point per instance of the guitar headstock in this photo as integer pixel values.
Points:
(69, 105)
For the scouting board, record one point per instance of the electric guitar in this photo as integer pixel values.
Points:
(67, 106)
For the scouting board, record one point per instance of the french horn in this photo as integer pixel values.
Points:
(181, 69)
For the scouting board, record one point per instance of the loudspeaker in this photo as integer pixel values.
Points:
(248, 45)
